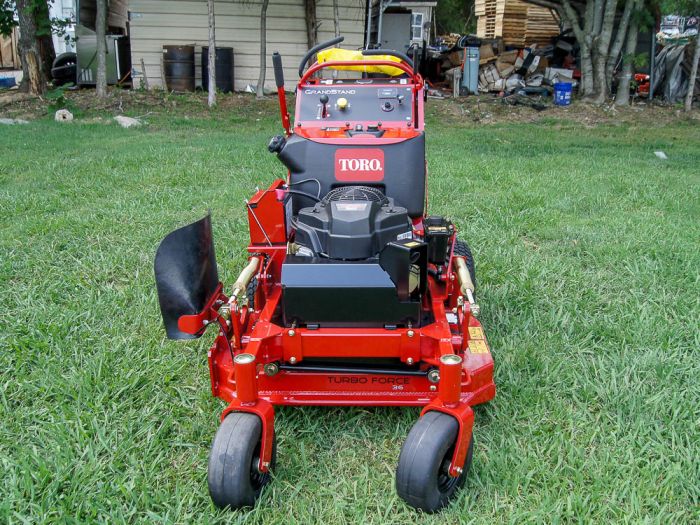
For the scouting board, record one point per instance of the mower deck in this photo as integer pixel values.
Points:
(295, 385)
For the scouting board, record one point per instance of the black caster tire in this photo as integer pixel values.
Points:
(422, 476)
(233, 476)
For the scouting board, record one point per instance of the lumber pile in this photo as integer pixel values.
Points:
(517, 22)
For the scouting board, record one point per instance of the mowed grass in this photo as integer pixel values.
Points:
(587, 251)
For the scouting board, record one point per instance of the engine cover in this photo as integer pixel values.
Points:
(351, 223)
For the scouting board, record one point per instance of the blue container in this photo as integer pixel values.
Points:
(470, 73)
(7, 82)
(562, 93)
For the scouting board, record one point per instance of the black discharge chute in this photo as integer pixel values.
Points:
(186, 275)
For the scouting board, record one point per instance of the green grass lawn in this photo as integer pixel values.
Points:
(587, 251)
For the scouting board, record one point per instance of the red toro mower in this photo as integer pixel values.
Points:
(352, 295)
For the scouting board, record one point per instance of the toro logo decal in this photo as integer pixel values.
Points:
(359, 165)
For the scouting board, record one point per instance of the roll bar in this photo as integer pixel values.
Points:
(388, 63)
(318, 47)
(365, 52)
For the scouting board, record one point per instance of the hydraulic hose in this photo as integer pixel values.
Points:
(247, 274)
(316, 49)
(374, 52)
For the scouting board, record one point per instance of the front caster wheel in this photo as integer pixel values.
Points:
(234, 479)
(422, 477)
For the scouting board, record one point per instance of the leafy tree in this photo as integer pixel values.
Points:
(36, 49)
(455, 16)
(7, 17)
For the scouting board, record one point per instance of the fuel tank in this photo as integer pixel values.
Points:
(397, 169)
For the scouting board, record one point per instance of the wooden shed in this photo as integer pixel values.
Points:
(155, 23)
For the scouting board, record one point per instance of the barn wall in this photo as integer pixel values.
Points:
(155, 23)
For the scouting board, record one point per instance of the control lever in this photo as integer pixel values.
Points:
(324, 106)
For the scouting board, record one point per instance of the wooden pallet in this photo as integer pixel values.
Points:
(517, 22)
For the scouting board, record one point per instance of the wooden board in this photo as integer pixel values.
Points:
(9, 56)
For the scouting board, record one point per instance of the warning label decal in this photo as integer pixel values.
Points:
(478, 346)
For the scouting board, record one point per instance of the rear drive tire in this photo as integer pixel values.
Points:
(233, 476)
(422, 476)
(462, 249)
(250, 292)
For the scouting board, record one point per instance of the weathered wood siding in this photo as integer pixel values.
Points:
(155, 23)
(9, 53)
(116, 15)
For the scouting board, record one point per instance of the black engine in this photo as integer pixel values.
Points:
(351, 223)
(354, 263)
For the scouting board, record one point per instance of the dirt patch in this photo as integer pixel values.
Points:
(469, 111)
(84, 103)
(14, 97)
(487, 110)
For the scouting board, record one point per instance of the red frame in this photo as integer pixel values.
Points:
(247, 388)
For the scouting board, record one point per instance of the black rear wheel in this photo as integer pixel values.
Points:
(422, 476)
(462, 249)
(233, 477)
(250, 292)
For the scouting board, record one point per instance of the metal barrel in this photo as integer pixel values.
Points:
(224, 69)
(178, 64)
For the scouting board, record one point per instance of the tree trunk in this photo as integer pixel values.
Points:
(584, 35)
(688, 103)
(336, 18)
(35, 77)
(598, 13)
(311, 23)
(587, 89)
(600, 83)
(43, 24)
(211, 100)
(48, 54)
(602, 50)
(100, 32)
(587, 43)
(260, 90)
(620, 37)
(623, 84)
